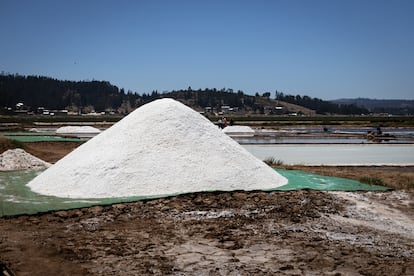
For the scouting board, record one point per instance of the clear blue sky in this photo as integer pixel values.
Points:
(327, 49)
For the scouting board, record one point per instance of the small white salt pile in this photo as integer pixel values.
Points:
(162, 148)
(19, 159)
(78, 131)
(238, 131)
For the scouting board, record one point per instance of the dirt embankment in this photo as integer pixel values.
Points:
(282, 233)
(51, 151)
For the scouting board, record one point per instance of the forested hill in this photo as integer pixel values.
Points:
(398, 107)
(32, 92)
(38, 91)
(321, 106)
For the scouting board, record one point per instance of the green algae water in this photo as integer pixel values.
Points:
(17, 199)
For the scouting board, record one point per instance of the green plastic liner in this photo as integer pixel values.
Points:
(299, 180)
(17, 199)
(43, 133)
(36, 137)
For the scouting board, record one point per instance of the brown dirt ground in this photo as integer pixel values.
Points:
(238, 233)
(50, 151)
(232, 233)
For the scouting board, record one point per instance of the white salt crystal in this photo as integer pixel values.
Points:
(162, 148)
(77, 129)
(19, 159)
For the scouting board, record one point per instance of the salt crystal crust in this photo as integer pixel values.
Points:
(77, 129)
(162, 148)
(19, 159)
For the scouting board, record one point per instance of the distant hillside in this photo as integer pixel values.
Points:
(29, 94)
(397, 107)
(239, 102)
(321, 106)
(33, 92)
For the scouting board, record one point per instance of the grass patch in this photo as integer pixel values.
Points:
(372, 181)
(406, 182)
(271, 161)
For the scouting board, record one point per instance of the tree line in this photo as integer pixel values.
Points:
(49, 93)
(321, 106)
(86, 96)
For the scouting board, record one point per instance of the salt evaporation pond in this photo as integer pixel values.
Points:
(317, 140)
(357, 154)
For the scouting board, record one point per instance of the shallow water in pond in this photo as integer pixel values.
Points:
(345, 154)
(286, 140)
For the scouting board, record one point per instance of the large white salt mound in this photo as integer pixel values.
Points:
(19, 159)
(162, 148)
